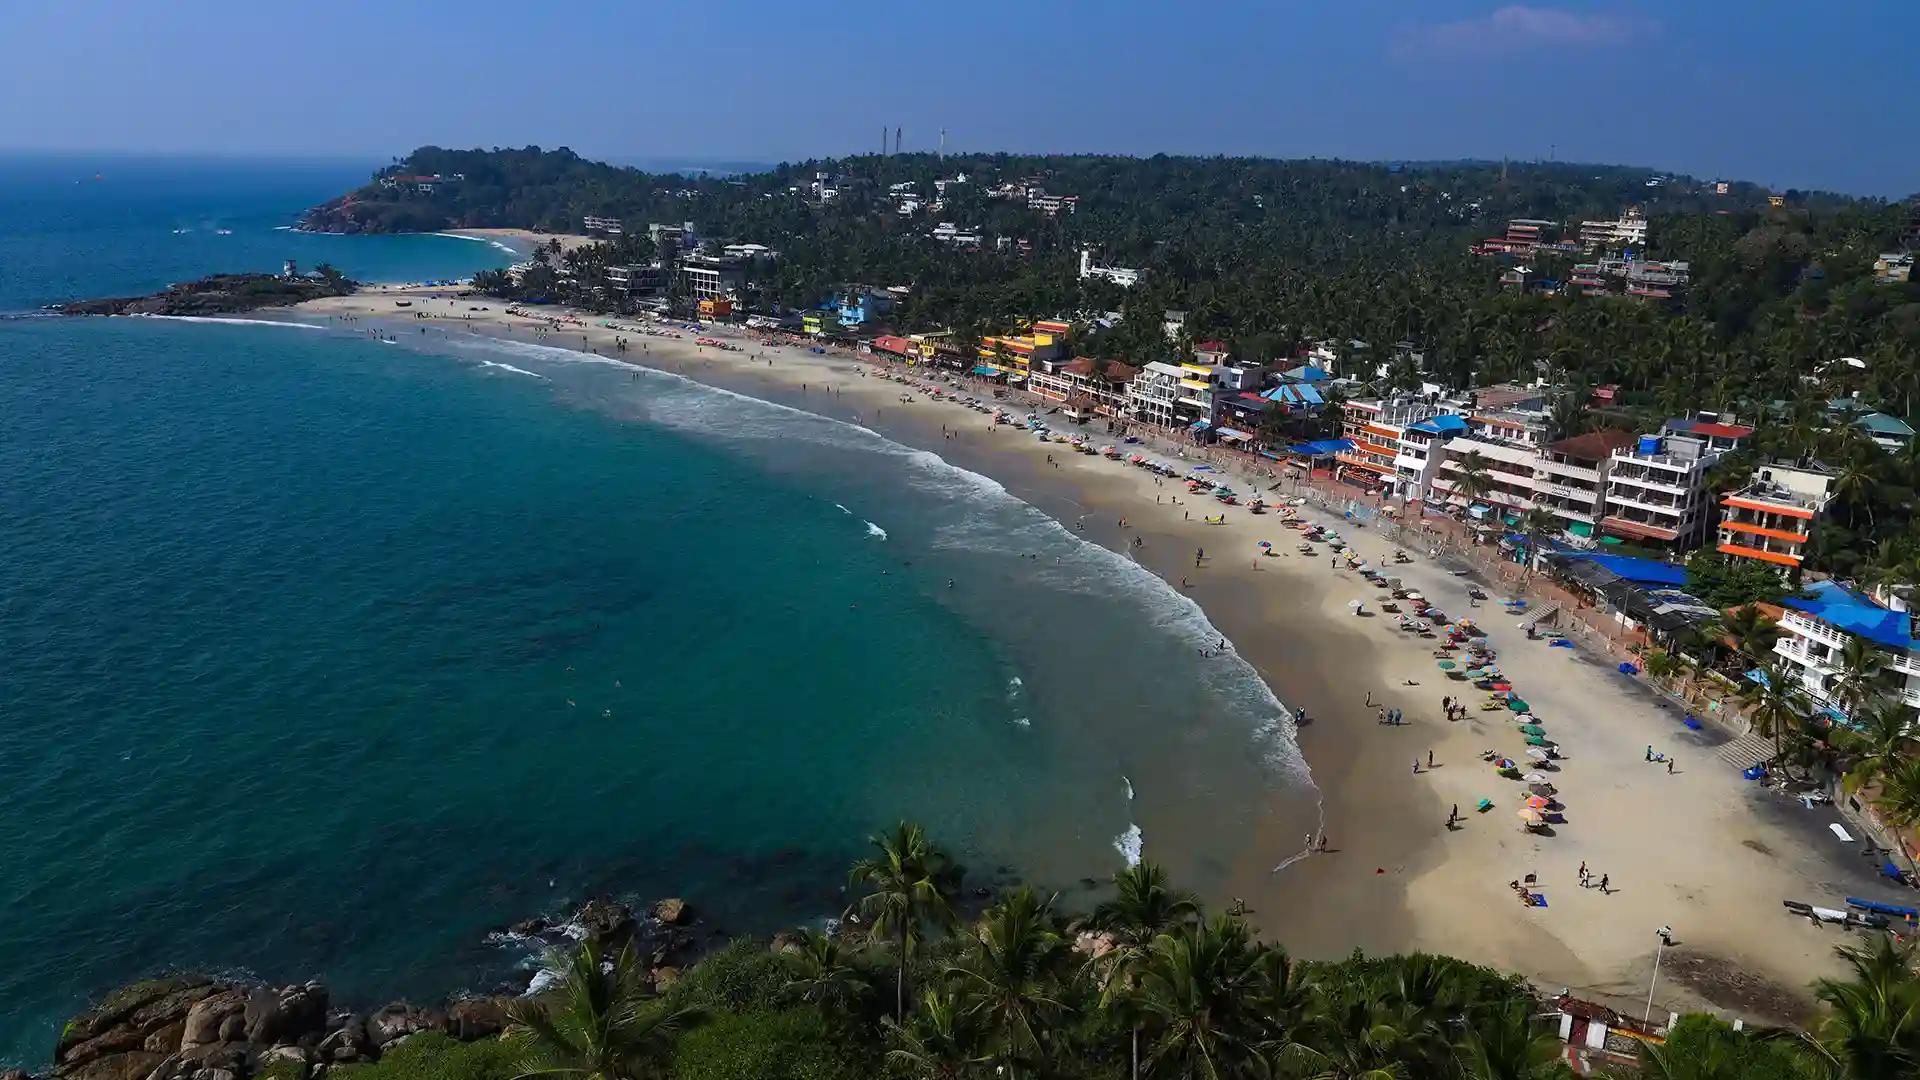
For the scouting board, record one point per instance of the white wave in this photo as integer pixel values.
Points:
(1129, 783)
(1021, 721)
(876, 531)
(542, 979)
(1131, 845)
(515, 370)
(842, 509)
(235, 322)
(283, 228)
(487, 240)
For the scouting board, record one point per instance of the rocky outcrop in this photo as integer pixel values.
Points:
(197, 1027)
(221, 294)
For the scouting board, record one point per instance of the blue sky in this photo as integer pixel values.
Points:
(1785, 93)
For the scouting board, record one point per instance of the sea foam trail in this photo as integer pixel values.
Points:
(488, 240)
(235, 322)
(515, 370)
(876, 531)
(1131, 845)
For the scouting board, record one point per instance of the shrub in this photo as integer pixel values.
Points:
(434, 1056)
(793, 1044)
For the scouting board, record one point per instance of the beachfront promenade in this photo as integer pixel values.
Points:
(1699, 849)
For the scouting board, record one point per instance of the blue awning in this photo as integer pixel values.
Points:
(1834, 605)
(982, 369)
(1322, 448)
(1201, 425)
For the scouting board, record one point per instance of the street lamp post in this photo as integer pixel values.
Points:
(1659, 951)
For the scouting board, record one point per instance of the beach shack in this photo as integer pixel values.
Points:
(1316, 459)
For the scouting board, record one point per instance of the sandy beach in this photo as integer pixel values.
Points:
(1698, 849)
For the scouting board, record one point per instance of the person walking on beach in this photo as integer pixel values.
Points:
(1429, 759)
(1649, 751)
(1603, 885)
(1416, 766)
(1669, 766)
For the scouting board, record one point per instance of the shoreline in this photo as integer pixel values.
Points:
(1393, 879)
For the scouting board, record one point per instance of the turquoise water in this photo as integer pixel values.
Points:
(327, 656)
(74, 227)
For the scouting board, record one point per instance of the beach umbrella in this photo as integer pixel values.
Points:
(1263, 544)
(1535, 778)
(1537, 740)
(1415, 596)
(1503, 763)
(1536, 753)
(1517, 705)
(1447, 665)
(1500, 685)
(1531, 817)
(1532, 729)
(1537, 802)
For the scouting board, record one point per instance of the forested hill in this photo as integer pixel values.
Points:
(1265, 255)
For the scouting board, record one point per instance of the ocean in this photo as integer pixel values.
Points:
(325, 657)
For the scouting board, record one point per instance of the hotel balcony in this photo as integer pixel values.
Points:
(1578, 494)
(1639, 530)
(1742, 551)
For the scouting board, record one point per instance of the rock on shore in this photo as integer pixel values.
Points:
(199, 1027)
(221, 294)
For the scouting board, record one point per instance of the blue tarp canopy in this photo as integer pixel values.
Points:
(1294, 394)
(1444, 424)
(1322, 448)
(1200, 425)
(1640, 571)
(982, 369)
(1834, 605)
(1308, 373)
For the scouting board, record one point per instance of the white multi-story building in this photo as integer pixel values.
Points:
(1124, 276)
(1506, 427)
(1570, 481)
(1154, 393)
(1657, 488)
(1815, 627)
(1630, 231)
(1772, 518)
(606, 226)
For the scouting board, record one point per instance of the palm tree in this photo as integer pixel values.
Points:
(1861, 678)
(1194, 986)
(1475, 477)
(1877, 741)
(598, 1023)
(1010, 977)
(1775, 703)
(910, 885)
(1142, 908)
(938, 1042)
(1872, 1027)
(819, 971)
(1536, 525)
(1508, 1043)
(1752, 633)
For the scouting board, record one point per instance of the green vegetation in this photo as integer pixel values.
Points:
(1147, 986)
(1727, 582)
(426, 1056)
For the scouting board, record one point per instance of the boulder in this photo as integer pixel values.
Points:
(208, 1016)
(286, 1015)
(286, 1061)
(476, 1018)
(672, 911)
(390, 1023)
(166, 1038)
(132, 1065)
(138, 1007)
(347, 1042)
(605, 920)
(529, 927)
(664, 978)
